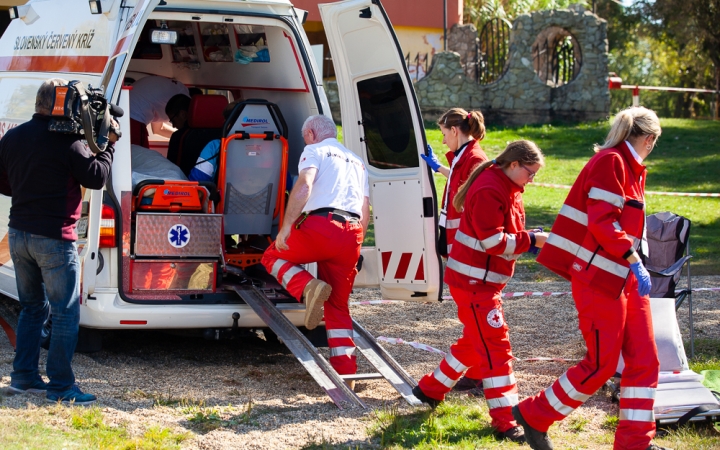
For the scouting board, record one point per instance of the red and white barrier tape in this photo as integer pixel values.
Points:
(418, 345)
(376, 302)
(427, 348)
(522, 294)
(506, 295)
(672, 194)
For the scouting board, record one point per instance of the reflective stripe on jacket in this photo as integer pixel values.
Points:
(491, 234)
(600, 223)
(471, 157)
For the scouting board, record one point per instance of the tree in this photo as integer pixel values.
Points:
(691, 24)
(479, 12)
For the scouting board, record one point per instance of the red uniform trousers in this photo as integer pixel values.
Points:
(485, 346)
(609, 326)
(335, 247)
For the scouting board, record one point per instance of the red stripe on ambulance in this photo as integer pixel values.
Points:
(76, 64)
(403, 266)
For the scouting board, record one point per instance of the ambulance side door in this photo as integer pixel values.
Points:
(132, 22)
(381, 122)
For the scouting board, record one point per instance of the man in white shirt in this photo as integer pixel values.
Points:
(148, 98)
(325, 222)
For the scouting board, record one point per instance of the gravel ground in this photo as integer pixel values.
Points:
(267, 400)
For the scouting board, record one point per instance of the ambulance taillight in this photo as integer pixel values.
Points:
(107, 227)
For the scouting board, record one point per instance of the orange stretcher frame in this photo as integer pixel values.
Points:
(243, 257)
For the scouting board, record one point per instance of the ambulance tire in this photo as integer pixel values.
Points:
(9, 312)
(89, 339)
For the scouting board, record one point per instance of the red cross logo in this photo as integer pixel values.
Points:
(495, 318)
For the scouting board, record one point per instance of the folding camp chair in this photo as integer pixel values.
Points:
(668, 241)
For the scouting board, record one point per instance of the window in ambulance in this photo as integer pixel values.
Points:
(386, 119)
(252, 44)
(17, 101)
(112, 73)
(145, 49)
(185, 49)
(215, 42)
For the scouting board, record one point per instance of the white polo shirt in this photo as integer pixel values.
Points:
(341, 181)
(149, 96)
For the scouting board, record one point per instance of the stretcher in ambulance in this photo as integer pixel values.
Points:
(152, 244)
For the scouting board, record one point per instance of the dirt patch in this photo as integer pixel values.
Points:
(251, 394)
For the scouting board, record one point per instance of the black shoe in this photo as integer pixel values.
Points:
(515, 434)
(656, 447)
(535, 439)
(470, 386)
(432, 403)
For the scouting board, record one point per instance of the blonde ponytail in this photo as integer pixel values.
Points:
(631, 122)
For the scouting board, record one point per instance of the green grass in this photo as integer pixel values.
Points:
(459, 423)
(686, 159)
(464, 423)
(707, 355)
(83, 428)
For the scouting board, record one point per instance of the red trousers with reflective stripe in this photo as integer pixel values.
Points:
(335, 247)
(609, 327)
(484, 346)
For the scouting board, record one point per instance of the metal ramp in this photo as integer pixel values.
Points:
(318, 367)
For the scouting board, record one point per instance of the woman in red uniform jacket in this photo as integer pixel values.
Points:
(596, 242)
(491, 237)
(462, 132)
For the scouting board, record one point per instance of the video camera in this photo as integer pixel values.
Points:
(86, 112)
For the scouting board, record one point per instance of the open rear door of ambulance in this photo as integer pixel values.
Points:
(132, 22)
(381, 122)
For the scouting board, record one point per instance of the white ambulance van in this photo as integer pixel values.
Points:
(150, 262)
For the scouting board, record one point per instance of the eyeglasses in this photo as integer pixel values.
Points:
(532, 174)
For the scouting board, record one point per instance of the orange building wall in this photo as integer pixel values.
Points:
(403, 13)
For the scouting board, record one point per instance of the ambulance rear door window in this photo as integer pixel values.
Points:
(389, 133)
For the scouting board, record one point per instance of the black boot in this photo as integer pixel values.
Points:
(514, 434)
(470, 386)
(432, 403)
(656, 447)
(536, 440)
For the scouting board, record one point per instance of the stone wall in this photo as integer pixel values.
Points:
(520, 97)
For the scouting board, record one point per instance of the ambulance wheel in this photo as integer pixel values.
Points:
(9, 312)
(89, 339)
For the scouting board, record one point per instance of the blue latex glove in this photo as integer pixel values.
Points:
(535, 250)
(431, 159)
(643, 277)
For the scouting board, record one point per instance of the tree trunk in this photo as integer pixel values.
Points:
(717, 92)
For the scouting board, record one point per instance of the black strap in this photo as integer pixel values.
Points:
(339, 212)
(690, 414)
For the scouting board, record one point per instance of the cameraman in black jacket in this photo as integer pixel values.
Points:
(43, 172)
